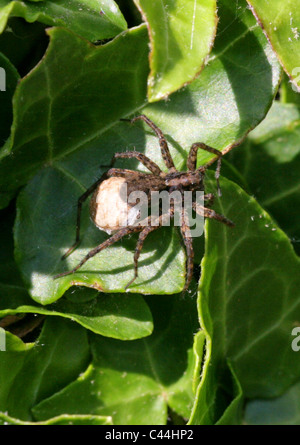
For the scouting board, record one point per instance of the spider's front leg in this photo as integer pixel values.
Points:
(192, 160)
(210, 197)
(148, 228)
(165, 152)
(138, 249)
(113, 239)
(187, 239)
(143, 159)
(210, 213)
(80, 201)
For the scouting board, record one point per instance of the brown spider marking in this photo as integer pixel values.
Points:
(192, 180)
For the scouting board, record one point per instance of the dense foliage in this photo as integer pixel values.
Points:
(78, 350)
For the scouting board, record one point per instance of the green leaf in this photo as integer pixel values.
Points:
(283, 410)
(233, 413)
(248, 302)
(8, 82)
(181, 36)
(269, 161)
(35, 371)
(87, 18)
(117, 316)
(281, 24)
(134, 382)
(9, 274)
(64, 419)
(287, 93)
(198, 347)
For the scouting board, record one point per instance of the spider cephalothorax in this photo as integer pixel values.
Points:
(108, 209)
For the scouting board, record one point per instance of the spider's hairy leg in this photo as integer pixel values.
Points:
(113, 239)
(209, 213)
(162, 141)
(80, 201)
(192, 160)
(139, 246)
(192, 157)
(143, 159)
(148, 228)
(210, 198)
(187, 239)
(217, 175)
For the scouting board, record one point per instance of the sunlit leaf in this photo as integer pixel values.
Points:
(181, 36)
(88, 18)
(281, 23)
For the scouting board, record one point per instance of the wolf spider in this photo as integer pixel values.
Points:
(157, 180)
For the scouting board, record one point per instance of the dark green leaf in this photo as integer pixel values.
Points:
(233, 413)
(284, 410)
(270, 161)
(249, 300)
(24, 44)
(8, 82)
(34, 371)
(9, 274)
(134, 382)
